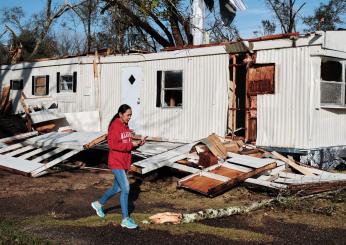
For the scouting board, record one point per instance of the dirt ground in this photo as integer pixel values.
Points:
(55, 209)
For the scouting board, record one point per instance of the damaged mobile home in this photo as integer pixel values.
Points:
(284, 92)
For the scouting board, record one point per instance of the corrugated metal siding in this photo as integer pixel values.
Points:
(205, 86)
(284, 117)
(67, 102)
(328, 125)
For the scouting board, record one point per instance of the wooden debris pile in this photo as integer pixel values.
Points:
(216, 164)
(5, 101)
(34, 155)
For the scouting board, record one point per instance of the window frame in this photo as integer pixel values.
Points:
(61, 90)
(342, 105)
(163, 89)
(21, 84)
(35, 86)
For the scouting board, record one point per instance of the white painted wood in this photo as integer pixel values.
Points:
(21, 150)
(18, 137)
(164, 159)
(317, 178)
(265, 183)
(11, 147)
(185, 168)
(154, 148)
(249, 161)
(54, 162)
(46, 115)
(74, 140)
(34, 152)
(48, 155)
(304, 181)
(237, 167)
(18, 164)
(276, 170)
(214, 176)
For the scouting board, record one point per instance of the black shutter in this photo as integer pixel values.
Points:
(21, 85)
(158, 89)
(11, 84)
(47, 84)
(33, 85)
(75, 82)
(58, 82)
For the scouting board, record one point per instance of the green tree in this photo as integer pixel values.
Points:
(327, 16)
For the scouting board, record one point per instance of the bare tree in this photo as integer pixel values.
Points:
(47, 20)
(286, 13)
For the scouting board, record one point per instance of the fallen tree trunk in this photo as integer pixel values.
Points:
(211, 213)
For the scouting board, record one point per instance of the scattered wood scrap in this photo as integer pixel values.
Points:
(218, 178)
(34, 156)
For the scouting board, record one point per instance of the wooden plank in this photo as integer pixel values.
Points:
(18, 164)
(21, 150)
(95, 141)
(265, 183)
(316, 177)
(214, 176)
(292, 164)
(312, 188)
(305, 180)
(237, 167)
(184, 168)
(212, 187)
(249, 161)
(32, 153)
(54, 162)
(18, 137)
(74, 140)
(164, 159)
(46, 115)
(11, 147)
(48, 155)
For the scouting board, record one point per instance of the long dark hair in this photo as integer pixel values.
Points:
(122, 109)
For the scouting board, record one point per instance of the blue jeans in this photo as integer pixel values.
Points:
(121, 184)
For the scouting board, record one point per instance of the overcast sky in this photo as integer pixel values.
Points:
(247, 21)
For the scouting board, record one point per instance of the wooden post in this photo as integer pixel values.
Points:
(234, 68)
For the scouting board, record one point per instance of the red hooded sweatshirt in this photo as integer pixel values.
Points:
(120, 145)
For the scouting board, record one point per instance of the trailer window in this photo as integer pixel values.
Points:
(333, 82)
(16, 84)
(66, 83)
(170, 89)
(40, 86)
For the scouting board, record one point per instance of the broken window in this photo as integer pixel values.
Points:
(16, 84)
(40, 85)
(332, 82)
(331, 70)
(169, 89)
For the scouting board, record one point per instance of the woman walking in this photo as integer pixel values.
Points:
(119, 161)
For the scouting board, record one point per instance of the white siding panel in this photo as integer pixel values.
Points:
(205, 86)
(283, 118)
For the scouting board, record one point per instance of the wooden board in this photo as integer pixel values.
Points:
(21, 165)
(164, 159)
(74, 140)
(212, 186)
